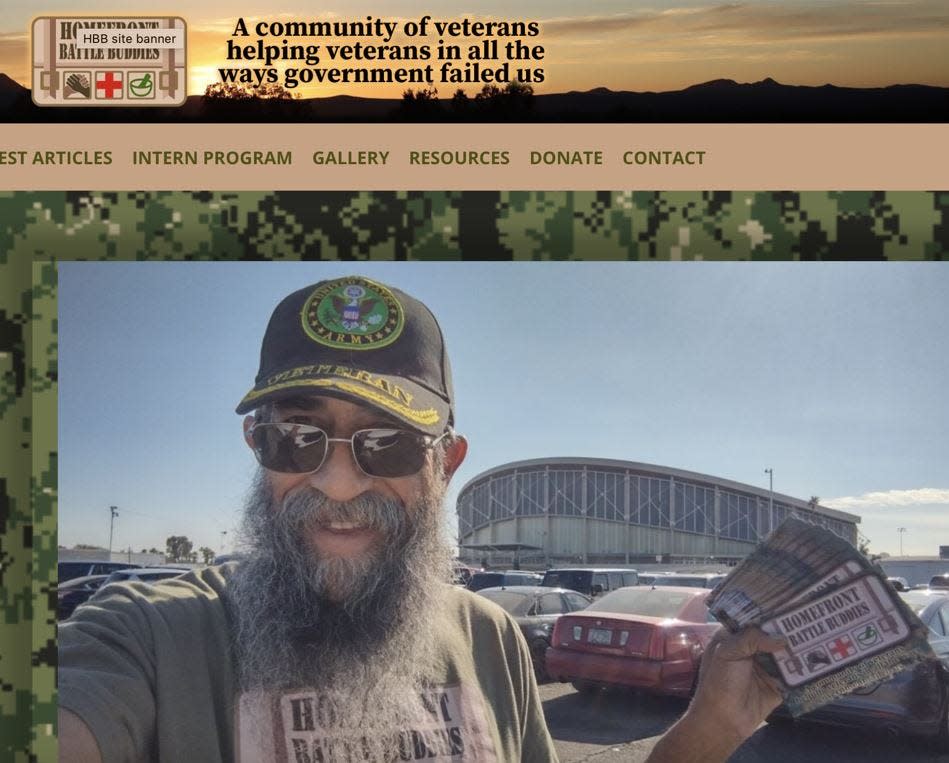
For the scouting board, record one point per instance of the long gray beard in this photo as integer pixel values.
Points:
(363, 628)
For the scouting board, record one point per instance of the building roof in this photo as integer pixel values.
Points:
(659, 471)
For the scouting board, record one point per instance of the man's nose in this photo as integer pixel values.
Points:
(340, 478)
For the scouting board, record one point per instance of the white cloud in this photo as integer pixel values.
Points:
(925, 496)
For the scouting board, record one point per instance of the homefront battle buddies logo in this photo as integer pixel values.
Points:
(109, 61)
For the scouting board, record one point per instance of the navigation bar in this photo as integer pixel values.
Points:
(474, 157)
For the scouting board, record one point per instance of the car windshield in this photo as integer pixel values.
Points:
(652, 602)
(511, 602)
(691, 581)
(918, 600)
(92, 581)
(485, 580)
(573, 579)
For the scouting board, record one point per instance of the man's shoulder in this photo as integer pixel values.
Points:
(476, 613)
(200, 588)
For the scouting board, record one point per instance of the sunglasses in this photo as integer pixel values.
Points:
(294, 448)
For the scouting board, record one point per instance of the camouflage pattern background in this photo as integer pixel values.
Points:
(477, 225)
(37, 229)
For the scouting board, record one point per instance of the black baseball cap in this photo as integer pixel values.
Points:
(362, 341)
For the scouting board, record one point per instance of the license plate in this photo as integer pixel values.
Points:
(600, 636)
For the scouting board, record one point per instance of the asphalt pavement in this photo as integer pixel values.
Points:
(623, 727)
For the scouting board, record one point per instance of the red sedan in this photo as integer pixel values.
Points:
(639, 637)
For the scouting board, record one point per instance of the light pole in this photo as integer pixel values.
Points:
(223, 533)
(115, 513)
(901, 530)
(770, 473)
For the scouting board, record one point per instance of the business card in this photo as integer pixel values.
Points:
(845, 625)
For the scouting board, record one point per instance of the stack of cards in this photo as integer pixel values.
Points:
(844, 626)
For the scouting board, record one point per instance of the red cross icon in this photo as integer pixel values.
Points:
(842, 647)
(108, 84)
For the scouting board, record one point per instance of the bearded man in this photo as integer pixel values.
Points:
(336, 637)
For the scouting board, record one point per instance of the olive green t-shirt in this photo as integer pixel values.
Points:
(149, 669)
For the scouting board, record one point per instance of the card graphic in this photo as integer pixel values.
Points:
(78, 85)
(109, 85)
(847, 623)
(137, 58)
(842, 648)
(141, 85)
(816, 659)
(867, 636)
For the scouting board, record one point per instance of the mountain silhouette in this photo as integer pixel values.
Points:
(719, 100)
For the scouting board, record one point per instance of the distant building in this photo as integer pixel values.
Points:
(599, 511)
(916, 569)
(102, 554)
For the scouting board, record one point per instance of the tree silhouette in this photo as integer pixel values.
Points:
(515, 100)
(460, 103)
(227, 100)
(420, 104)
(178, 548)
(230, 91)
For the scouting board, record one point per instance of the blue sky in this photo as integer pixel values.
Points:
(834, 375)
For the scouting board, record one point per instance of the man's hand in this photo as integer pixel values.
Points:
(734, 691)
(733, 698)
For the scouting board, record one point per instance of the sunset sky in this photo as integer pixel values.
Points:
(657, 45)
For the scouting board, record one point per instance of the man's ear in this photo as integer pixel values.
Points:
(248, 423)
(455, 454)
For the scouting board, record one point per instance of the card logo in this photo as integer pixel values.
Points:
(141, 85)
(856, 618)
(109, 61)
(78, 85)
(109, 85)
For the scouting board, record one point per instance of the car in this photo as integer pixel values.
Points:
(461, 573)
(914, 701)
(650, 638)
(536, 609)
(591, 581)
(146, 574)
(940, 581)
(74, 592)
(697, 580)
(649, 578)
(507, 578)
(225, 558)
(76, 568)
(899, 584)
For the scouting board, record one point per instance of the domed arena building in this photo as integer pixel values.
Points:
(557, 511)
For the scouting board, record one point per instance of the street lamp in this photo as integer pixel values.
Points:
(770, 473)
(901, 530)
(115, 513)
(223, 533)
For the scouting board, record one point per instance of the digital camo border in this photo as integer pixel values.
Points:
(37, 229)
(478, 225)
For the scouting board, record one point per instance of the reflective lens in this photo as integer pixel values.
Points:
(294, 448)
(389, 452)
(290, 448)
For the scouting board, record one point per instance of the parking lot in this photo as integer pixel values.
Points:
(617, 727)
